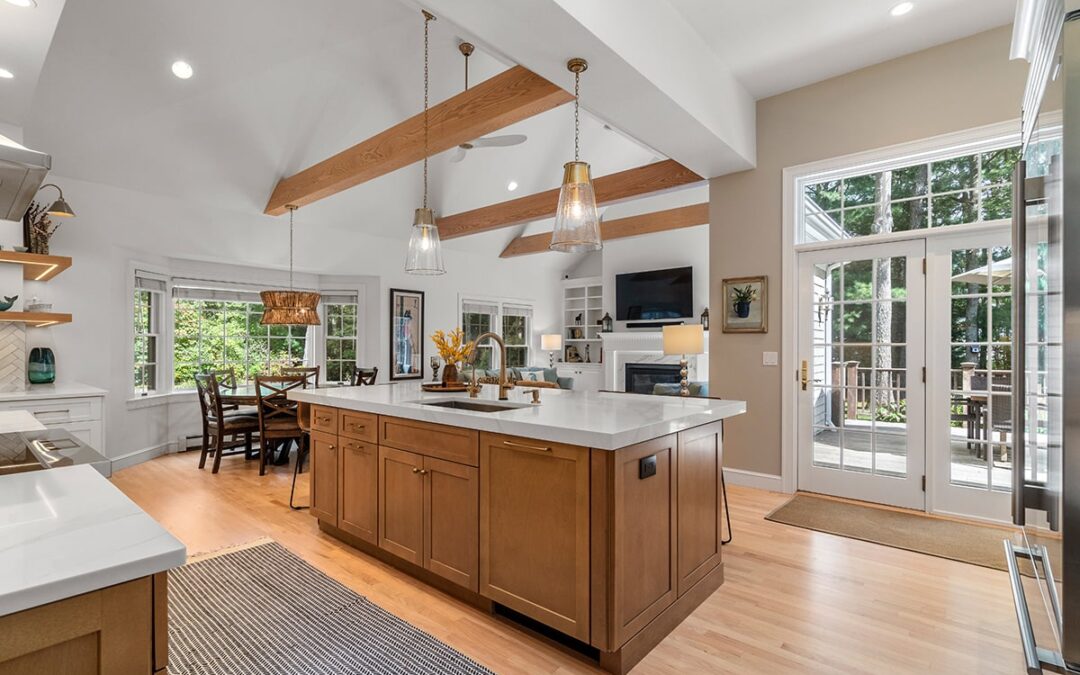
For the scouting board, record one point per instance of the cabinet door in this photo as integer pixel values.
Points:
(324, 477)
(452, 521)
(699, 464)
(534, 530)
(401, 504)
(358, 489)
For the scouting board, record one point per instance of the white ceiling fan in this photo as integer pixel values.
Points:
(503, 141)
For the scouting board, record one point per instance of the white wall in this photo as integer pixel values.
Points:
(115, 226)
(675, 248)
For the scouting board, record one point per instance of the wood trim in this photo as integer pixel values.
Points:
(632, 226)
(511, 96)
(161, 621)
(36, 319)
(657, 177)
(37, 267)
(601, 554)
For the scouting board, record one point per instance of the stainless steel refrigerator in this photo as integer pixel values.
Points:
(1046, 339)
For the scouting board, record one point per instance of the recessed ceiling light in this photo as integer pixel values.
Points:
(6, 74)
(182, 69)
(23, 3)
(511, 186)
(902, 9)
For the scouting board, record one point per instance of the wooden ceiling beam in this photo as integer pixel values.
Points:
(632, 226)
(616, 187)
(511, 96)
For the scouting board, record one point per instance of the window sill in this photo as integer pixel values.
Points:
(156, 400)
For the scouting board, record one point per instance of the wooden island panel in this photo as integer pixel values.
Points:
(451, 521)
(401, 504)
(358, 489)
(324, 476)
(699, 506)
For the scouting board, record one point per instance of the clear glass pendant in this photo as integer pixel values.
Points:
(577, 225)
(425, 249)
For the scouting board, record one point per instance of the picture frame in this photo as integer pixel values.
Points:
(406, 334)
(746, 304)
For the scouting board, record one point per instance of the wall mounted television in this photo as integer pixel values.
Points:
(657, 295)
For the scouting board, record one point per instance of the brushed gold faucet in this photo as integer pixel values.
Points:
(504, 384)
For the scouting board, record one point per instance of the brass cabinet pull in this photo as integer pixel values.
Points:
(323, 420)
(523, 446)
(358, 448)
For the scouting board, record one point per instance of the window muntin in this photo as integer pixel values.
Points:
(340, 342)
(213, 334)
(959, 190)
(509, 319)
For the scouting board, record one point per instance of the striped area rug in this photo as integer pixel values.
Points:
(261, 610)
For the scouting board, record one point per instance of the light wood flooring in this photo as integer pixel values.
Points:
(794, 601)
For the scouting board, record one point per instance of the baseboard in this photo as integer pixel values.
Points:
(140, 456)
(762, 481)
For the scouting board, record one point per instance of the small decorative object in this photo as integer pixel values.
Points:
(9, 300)
(746, 307)
(577, 319)
(551, 343)
(572, 354)
(35, 306)
(705, 319)
(406, 334)
(42, 368)
(453, 349)
(435, 368)
(681, 341)
(576, 334)
(608, 323)
(447, 387)
(587, 358)
(39, 227)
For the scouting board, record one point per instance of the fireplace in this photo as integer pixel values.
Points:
(640, 377)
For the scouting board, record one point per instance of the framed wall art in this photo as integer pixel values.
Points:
(406, 334)
(746, 305)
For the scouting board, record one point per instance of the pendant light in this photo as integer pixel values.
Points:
(291, 307)
(425, 249)
(577, 225)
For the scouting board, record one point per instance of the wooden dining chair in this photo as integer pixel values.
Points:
(364, 376)
(310, 373)
(225, 430)
(279, 419)
(226, 378)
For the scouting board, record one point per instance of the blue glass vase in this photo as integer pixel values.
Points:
(42, 368)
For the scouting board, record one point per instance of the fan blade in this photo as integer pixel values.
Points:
(500, 141)
(459, 154)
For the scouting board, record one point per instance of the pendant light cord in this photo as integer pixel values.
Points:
(577, 116)
(427, 21)
(292, 210)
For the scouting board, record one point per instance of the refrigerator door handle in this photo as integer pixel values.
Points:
(1035, 658)
(1019, 339)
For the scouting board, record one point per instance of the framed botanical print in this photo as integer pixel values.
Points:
(406, 334)
(746, 305)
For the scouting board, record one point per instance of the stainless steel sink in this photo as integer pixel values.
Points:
(475, 406)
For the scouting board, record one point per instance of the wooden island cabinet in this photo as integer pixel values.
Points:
(612, 548)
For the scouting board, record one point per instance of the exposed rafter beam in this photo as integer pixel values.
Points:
(511, 96)
(609, 189)
(632, 226)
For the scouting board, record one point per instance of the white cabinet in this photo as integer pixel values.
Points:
(76, 408)
(587, 376)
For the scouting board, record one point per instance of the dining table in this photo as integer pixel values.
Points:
(247, 394)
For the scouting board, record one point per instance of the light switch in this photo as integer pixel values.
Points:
(770, 359)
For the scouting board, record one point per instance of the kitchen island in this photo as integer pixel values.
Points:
(593, 518)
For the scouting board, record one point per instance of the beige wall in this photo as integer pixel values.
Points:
(960, 85)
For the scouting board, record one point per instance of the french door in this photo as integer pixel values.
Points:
(861, 403)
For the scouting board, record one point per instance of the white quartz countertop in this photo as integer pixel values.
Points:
(68, 531)
(603, 420)
(14, 421)
(35, 392)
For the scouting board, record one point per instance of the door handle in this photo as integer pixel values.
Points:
(804, 374)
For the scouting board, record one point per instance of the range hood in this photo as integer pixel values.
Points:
(22, 171)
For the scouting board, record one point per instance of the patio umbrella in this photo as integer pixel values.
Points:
(999, 272)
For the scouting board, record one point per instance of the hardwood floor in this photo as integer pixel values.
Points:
(794, 601)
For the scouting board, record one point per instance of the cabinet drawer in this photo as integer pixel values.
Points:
(59, 411)
(359, 425)
(434, 440)
(324, 419)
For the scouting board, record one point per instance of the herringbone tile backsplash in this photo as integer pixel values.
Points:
(12, 357)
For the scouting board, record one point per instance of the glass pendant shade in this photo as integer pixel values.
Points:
(290, 308)
(425, 248)
(577, 225)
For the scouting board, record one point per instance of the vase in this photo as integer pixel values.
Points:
(42, 369)
(450, 374)
(742, 308)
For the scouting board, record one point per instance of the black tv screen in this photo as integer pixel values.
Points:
(658, 295)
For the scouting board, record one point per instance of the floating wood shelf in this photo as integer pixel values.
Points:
(37, 267)
(36, 319)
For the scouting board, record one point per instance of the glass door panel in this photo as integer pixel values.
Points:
(857, 402)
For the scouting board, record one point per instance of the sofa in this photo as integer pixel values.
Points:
(544, 378)
(696, 389)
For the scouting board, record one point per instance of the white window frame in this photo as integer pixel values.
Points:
(501, 304)
(795, 180)
(163, 346)
(326, 337)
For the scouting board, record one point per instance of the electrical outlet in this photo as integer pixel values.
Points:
(770, 359)
(647, 467)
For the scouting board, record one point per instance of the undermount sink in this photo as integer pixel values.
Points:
(475, 406)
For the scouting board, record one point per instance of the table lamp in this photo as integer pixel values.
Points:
(680, 341)
(551, 343)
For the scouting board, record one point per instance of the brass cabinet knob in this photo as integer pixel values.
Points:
(415, 470)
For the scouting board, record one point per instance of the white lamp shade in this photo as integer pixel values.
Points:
(685, 339)
(551, 342)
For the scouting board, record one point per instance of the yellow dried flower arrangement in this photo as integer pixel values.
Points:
(452, 346)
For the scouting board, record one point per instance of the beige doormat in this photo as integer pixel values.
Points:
(912, 531)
